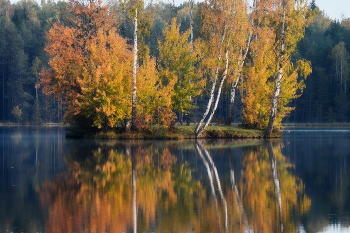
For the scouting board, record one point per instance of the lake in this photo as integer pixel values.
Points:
(299, 183)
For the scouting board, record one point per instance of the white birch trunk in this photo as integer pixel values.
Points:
(212, 92)
(232, 100)
(191, 24)
(134, 73)
(223, 78)
(276, 184)
(235, 83)
(277, 91)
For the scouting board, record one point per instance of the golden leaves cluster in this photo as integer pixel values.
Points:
(89, 66)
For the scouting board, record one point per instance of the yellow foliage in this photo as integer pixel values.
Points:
(264, 60)
(90, 65)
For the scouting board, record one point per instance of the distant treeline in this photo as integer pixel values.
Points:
(24, 25)
(326, 97)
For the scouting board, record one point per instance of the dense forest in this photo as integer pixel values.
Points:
(191, 33)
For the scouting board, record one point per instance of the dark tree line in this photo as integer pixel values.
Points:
(326, 97)
(22, 38)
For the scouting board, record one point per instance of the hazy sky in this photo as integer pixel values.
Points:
(335, 8)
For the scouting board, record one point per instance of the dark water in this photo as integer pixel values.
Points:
(51, 184)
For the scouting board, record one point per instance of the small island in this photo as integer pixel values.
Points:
(105, 84)
(177, 133)
(133, 71)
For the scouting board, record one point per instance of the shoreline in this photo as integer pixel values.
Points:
(180, 132)
(48, 124)
(333, 125)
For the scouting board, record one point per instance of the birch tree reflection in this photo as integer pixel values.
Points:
(266, 182)
(174, 187)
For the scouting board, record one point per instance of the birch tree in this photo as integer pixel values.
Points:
(273, 78)
(277, 90)
(341, 57)
(134, 70)
(292, 30)
(136, 11)
(221, 32)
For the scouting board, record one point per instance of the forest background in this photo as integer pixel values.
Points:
(23, 27)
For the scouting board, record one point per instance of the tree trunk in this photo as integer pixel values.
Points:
(212, 92)
(277, 91)
(200, 129)
(191, 24)
(134, 72)
(232, 101)
(235, 83)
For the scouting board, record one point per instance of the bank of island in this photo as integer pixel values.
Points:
(176, 133)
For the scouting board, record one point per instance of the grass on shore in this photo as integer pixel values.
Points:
(185, 132)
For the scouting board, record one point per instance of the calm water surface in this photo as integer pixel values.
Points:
(51, 184)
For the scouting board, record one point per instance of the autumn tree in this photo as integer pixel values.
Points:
(273, 78)
(177, 61)
(154, 106)
(223, 33)
(141, 18)
(90, 66)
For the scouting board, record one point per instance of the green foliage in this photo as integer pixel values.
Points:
(326, 95)
(177, 65)
(321, 97)
(154, 98)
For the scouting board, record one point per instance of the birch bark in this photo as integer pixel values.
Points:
(235, 83)
(199, 129)
(277, 91)
(134, 74)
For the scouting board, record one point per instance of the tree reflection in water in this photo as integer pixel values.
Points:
(151, 187)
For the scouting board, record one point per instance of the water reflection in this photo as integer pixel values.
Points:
(174, 187)
(321, 158)
(29, 156)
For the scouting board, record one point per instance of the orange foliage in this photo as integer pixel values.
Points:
(89, 65)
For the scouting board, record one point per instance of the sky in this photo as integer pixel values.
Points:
(335, 8)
